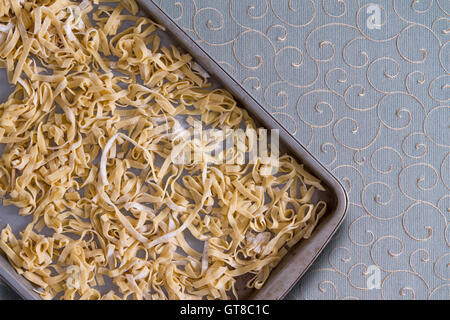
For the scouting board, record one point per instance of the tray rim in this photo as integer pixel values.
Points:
(25, 289)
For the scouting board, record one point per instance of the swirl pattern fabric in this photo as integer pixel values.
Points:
(365, 85)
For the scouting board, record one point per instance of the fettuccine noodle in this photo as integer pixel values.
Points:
(92, 134)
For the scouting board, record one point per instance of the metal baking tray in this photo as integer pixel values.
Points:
(299, 258)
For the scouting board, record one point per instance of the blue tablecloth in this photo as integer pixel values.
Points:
(365, 85)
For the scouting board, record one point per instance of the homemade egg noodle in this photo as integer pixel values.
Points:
(92, 134)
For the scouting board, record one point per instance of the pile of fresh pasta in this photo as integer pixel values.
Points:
(90, 136)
